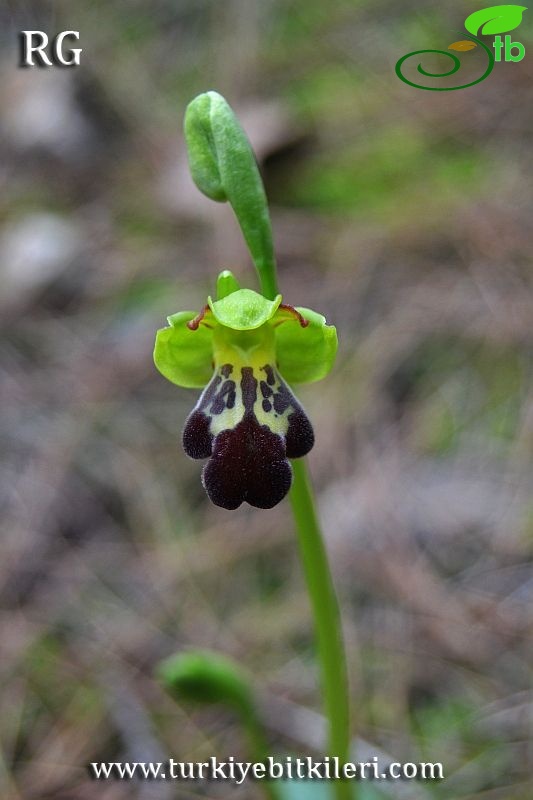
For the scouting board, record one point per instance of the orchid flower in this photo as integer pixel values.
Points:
(243, 350)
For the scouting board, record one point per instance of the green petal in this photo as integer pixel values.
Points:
(244, 309)
(307, 354)
(226, 284)
(183, 356)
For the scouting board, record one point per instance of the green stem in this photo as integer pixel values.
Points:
(259, 748)
(326, 613)
(324, 604)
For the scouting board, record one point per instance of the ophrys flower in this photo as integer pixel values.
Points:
(243, 349)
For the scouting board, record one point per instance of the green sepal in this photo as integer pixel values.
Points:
(244, 310)
(304, 354)
(227, 283)
(182, 355)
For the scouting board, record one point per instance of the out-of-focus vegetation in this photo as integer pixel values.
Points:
(406, 217)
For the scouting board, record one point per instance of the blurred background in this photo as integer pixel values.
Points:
(405, 217)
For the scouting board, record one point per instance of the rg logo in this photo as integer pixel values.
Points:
(33, 44)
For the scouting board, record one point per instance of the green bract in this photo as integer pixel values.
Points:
(224, 168)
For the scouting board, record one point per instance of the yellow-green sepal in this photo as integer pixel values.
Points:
(182, 355)
(304, 354)
(244, 309)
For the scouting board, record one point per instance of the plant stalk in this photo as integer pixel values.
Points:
(324, 606)
(328, 631)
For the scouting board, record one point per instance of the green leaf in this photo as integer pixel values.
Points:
(206, 677)
(244, 309)
(203, 676)
(183, 356)
(305, 354)
(223, 167)
(496, 19)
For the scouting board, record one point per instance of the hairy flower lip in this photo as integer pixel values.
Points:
(239, 471)
(248, 453)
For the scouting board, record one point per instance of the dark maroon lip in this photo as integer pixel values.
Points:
(249, 462)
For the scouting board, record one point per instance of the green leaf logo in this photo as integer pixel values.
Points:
(496, 19)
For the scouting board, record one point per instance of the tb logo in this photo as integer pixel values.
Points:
(486, 21)
(33, 45)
